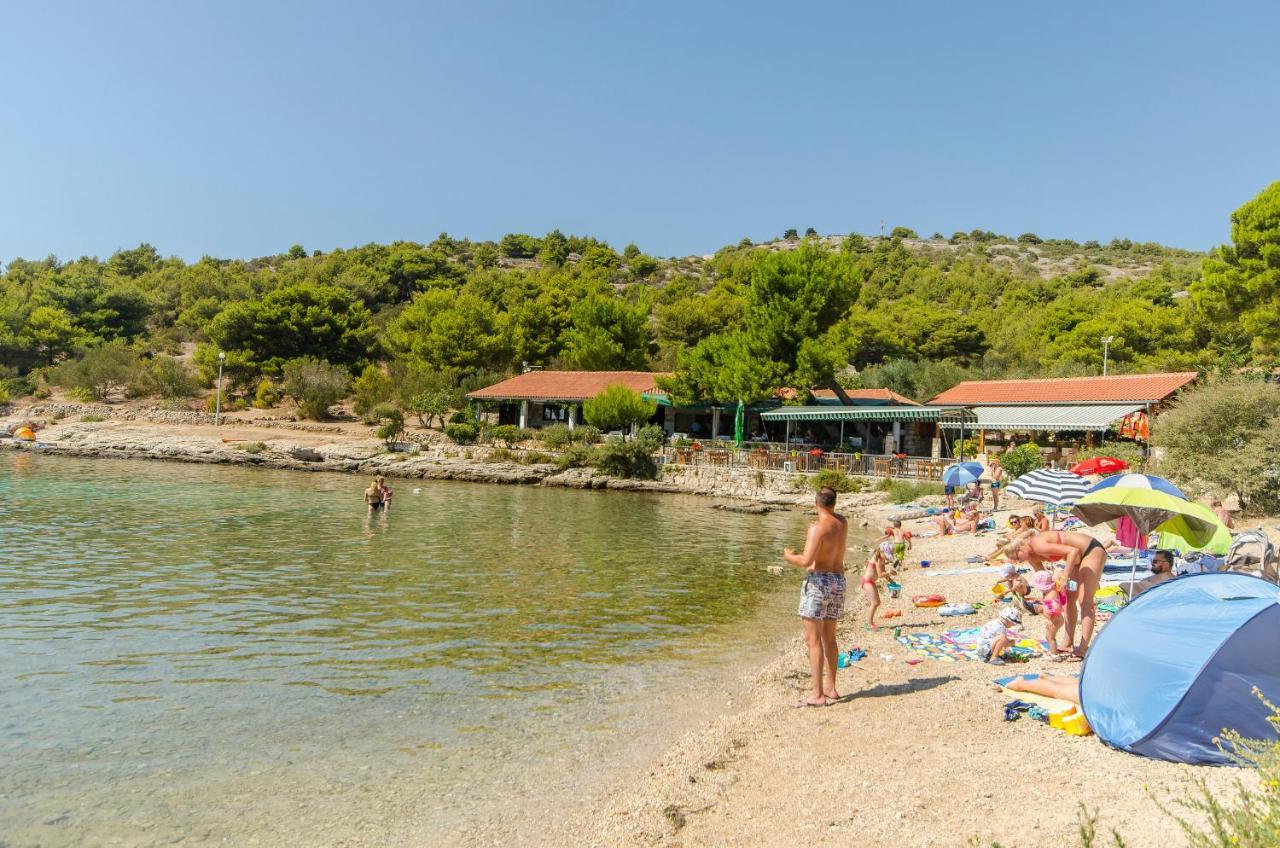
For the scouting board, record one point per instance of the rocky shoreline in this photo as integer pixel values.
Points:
(190, 437)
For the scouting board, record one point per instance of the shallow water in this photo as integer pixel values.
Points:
(208, 655)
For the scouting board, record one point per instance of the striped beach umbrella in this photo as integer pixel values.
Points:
(1046, 485)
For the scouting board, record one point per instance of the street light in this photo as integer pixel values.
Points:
(217, 403)
(1106, 343)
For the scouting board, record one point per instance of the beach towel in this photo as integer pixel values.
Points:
(967, 640)
(935, 648)
(1127, 534)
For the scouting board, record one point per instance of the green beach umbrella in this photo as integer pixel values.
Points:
(1146, 500)
(739, 421)
(1175, 533)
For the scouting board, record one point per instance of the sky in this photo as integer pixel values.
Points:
(236, 129)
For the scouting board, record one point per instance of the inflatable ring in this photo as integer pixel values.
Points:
(928, 600)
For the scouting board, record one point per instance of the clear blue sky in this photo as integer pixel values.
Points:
(240, 128)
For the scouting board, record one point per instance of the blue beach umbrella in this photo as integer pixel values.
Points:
(961, 474)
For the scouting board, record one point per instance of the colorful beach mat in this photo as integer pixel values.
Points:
(935, 647)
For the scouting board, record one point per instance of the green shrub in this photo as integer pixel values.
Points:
(462, 416)
(586, 434)
(969, 447)
(573, 456)
(166, 377)
(99, 371)
(502, 455)
(556, 436)
(250, 447)
(14, 385)
(267, 395)
(4, 394)
(389, 421)
(91, 418)
(508, 434)
(651, 437)
(835, 479)
(315, 385)
(1020, 460)
(462, 434)
(624, 459)
(372, 389)
(41, 393)
(536, 458)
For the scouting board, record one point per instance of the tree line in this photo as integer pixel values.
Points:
(418, 324)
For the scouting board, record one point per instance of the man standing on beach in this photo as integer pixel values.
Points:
(997, 480)
(822, 595)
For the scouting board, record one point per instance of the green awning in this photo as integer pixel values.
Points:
(942, 414)
(1096, 416)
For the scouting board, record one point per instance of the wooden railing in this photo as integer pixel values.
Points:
(803, 460)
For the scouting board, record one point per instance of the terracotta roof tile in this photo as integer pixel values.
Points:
(566, 385)
(1136, 388)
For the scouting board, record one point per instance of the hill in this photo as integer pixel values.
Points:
(901, 311)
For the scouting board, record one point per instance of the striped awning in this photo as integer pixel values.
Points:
(1098, 416)
(870, 413)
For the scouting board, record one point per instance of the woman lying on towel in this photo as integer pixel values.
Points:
(1062, 688)
(1084, 558)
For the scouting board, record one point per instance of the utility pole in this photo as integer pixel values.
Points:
(1106, 344)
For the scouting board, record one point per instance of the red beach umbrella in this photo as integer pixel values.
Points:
(1099, 465)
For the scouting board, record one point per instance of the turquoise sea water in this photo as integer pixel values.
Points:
(209, 655)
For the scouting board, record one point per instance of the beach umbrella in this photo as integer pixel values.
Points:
(1049, 486)
(1139, 481)
(961, 474)
(1099, 465)
(1175, 533)
(1148, 502)
(739, 420)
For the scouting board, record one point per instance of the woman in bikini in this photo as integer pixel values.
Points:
(1084, 557)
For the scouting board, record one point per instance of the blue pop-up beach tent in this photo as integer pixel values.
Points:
(1179, 665)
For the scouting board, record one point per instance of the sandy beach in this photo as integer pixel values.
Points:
(914, 756)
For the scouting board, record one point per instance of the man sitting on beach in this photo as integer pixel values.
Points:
(1161, 570)
(822, 595)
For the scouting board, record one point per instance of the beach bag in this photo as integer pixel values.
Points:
(1253, 553)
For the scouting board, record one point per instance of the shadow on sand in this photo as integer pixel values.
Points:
(885, 690)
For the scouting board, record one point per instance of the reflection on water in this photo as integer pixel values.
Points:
(203, 653)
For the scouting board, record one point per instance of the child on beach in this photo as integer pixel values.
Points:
(1054, 601)
(994, 639)
(901, 543)
(875, 570)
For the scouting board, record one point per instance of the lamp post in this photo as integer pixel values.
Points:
(1106, 343)
(217, 403)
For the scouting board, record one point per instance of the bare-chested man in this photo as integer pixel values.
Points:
(822, 596)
